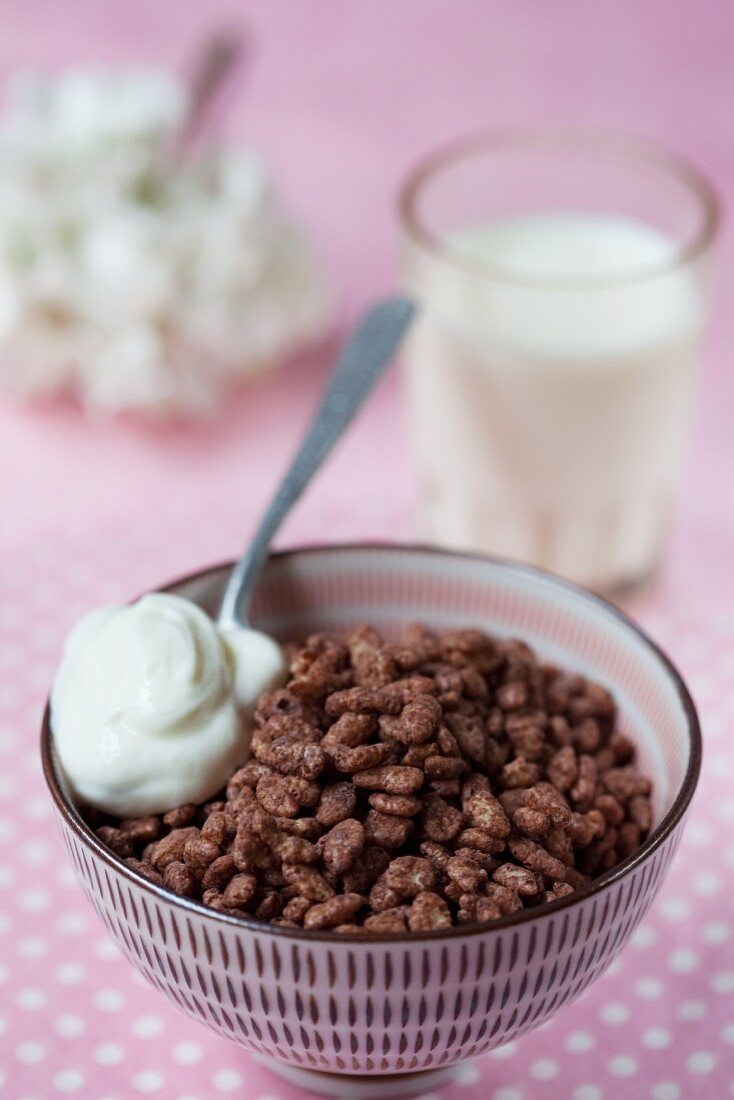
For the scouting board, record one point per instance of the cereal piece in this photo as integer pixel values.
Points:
(240, 891)
(402, 805)
(121, 843)
(362, 700)
(545, 797)
(270, 906)
(365, 870)
(142, 830)
(306, 827)
(470, 735)
(217, 828)
(482, 859)
(219, 872)
(147, 870)
(296, 849)
(408, 876)
(428, 913)
(198, 853)
(181, 816)
(505, 898)
(486, 909)
(309, 882)
(626, 783)
(178, 877)
(387, 830)
(587, 736)
(520, 773)
(170, 849)
(374, 666)
(583, 790)
(389, 920)
(286, 794)
(350, 730)
(337, 910)
(296, 909)
(640, 811)
(337, 802)
(445, 767)
(392, 779)
(383, 897)
(622, 748)
(341, 846)
(446, 788)
(360, 758)
(527, 736)
(440, 821)
(534, 823)
(485, 812)
(416, 646)
(419, 720)
(583, 828)
(296, 757)
(436, 853)
(536, 858)
(628, 839)
(512, 696)
(516, 878)
(466, 874)
(563, 769)
(250, 774)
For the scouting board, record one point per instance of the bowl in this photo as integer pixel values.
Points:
(364, 1015)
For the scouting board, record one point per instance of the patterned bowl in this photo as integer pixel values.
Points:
(360, 1016)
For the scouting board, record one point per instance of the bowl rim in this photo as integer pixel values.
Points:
(73, 820)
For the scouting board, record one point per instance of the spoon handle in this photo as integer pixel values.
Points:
(368, 352)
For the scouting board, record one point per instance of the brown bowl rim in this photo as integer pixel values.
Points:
(669, 823)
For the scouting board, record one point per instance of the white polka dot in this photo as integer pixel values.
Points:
(545, 1069)
(36, 808)
(186, 1054)
(706, 883)
(106, 949)
(508, 1093)
(682, 961)
(723, 983)
(69, 1027)
(505, 1051)
(643, 937)
(716, 932)
(30, 1054)
(698, 833)
(34, 901)
(65, 876)
(8, 828)
(3, 1025)
(7, 877)
(32, 947)
(6, 923)
(147, 1027)
(580, 1041)
(666, 1090)
(614, 967)
(675, 909)
(727, 1033)
(148, 1081)
(226, 1080)
(467, 1074)
(4, 972)
(72, 924)
(36, 851)
(70, 973)
(68, 1080)
(587, 1092)
(615, 1013)
(649, 988)
(656, 1038)
(108, 1054)
(109, 1000)
(622, 1066)
(701, 1062)
(692, 1010)
(31, 999)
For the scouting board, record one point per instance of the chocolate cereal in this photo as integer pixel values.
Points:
(444, 779)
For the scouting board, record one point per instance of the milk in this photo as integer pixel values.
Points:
(550, 379)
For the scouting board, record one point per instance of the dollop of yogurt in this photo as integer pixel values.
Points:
(152, 704)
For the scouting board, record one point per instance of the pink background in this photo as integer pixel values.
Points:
(342, 97)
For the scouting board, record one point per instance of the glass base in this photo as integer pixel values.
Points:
(361, 1086)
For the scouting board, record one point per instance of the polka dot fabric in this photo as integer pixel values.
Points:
(74, 1017)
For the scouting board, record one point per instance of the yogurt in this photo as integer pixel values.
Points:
(151, 705)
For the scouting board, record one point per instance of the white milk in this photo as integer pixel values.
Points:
(548, 419)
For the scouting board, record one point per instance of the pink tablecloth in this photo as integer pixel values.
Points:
(342, 97)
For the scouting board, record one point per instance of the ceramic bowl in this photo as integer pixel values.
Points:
(384, 1016)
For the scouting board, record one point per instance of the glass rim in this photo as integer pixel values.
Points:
(585, 138)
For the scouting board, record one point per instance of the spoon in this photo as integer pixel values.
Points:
(368, 352)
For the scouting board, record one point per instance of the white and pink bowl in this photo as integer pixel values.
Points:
(361, 1016)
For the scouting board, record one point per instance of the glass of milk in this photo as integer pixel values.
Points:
(563, 277)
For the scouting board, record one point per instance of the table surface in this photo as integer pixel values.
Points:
(342, 98)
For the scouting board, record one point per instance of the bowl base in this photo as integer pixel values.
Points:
(345, 1086)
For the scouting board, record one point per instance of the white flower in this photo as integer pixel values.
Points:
(123, 280)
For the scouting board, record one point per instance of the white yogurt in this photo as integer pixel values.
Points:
(548, 418)
(151, 705)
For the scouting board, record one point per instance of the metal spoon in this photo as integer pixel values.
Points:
(360, 365)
